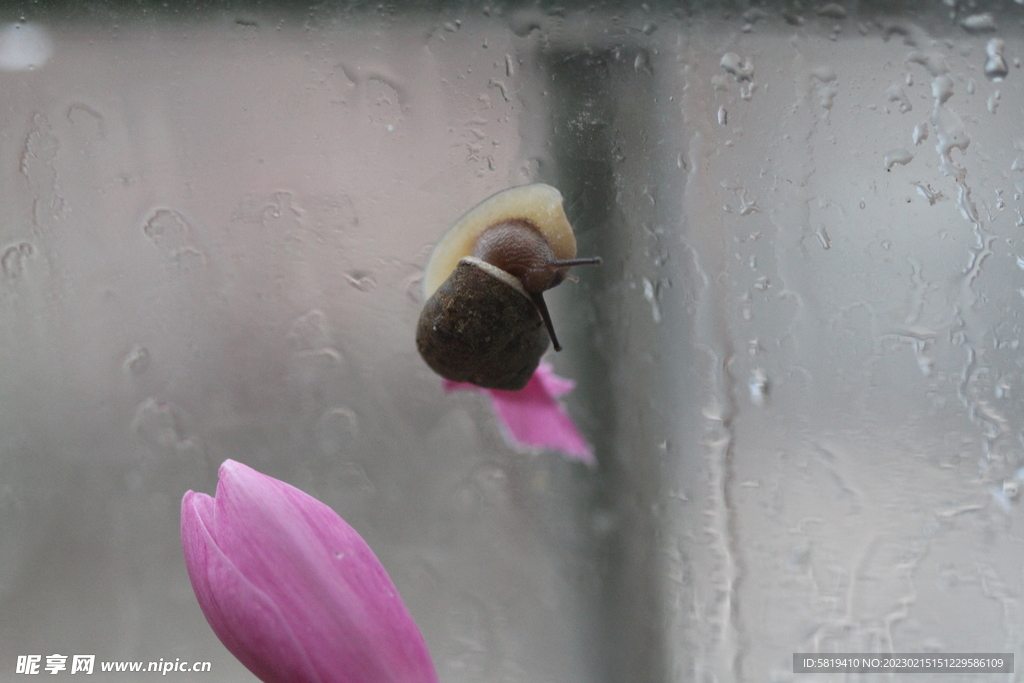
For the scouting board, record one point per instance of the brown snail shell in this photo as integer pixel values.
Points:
(481, 327)
(538, 204)
(485, 320)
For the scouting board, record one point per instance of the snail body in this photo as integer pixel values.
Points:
(485, 320)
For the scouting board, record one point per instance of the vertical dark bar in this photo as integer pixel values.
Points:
(601, 109)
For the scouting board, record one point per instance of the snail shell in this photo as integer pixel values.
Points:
(485, 321)
(481, 327)
(539, 205)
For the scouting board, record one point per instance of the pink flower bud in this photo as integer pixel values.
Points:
(292, 590)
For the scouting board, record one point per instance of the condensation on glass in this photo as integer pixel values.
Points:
(799, 364)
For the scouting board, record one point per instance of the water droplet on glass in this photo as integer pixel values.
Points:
(642, 62)
(335, 430)
(950, 135)
(983, 21)
(1018, 162)
(12, 262)
(753, 15)
(792, 18)
(920, 133)
(942, 88)
(928, 193)
(385, 99)
(137, 360)
(823, 238)
(740, 68)
(993, 102)
(169, 231)
(651, 294)
(309, 331)
(510, 66)
(723, 116)
(160, 424)
(833, 11)
(825, 74)
(895, 93)
(500, 87)
(933, 62)
(748, 206)
(995, 64)
(758, 387)
(361, 280)
(524, 21)
(899, 156)
(972, 86)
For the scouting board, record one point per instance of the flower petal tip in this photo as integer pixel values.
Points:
(292, 590)
(532, 418)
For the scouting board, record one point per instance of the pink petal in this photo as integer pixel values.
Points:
(292, 590)
(531, 417)
(243, 617)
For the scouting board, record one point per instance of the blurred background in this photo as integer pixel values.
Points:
(799, 365)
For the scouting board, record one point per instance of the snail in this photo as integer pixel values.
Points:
(485, 320)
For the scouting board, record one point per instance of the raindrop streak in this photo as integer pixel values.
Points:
(651, 294)
(950, 135)
(995, 65)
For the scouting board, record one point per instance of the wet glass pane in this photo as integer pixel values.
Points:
(798, 365)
